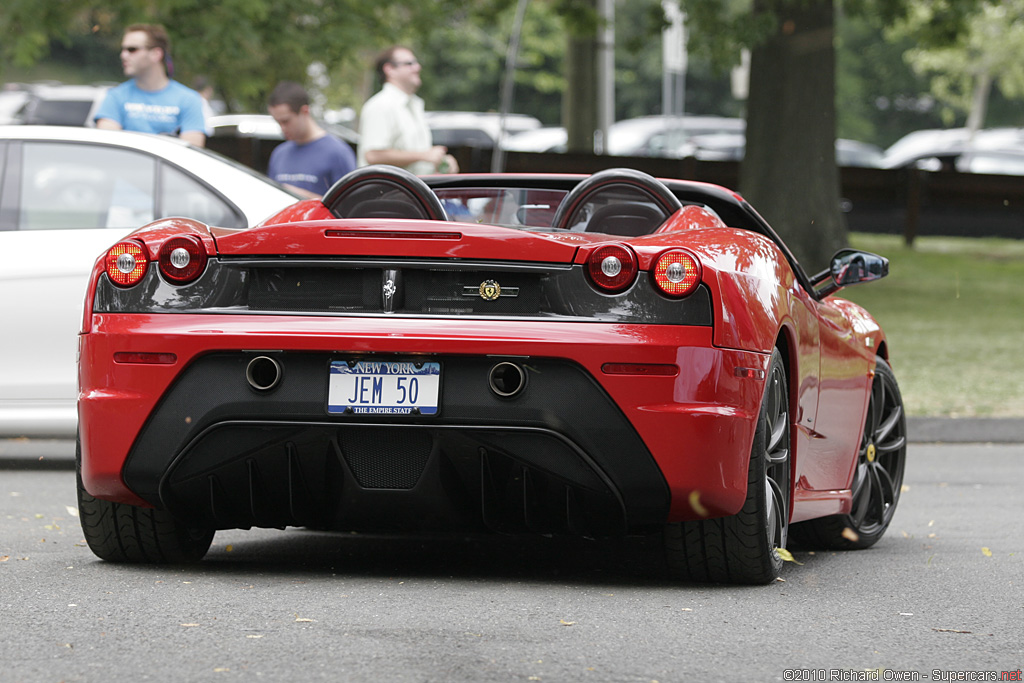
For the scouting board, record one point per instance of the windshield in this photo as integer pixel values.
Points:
(516, 207)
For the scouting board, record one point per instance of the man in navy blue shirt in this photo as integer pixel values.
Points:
(310, 160)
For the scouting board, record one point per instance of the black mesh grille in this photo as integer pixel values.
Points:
(458, 291)
(315, 289)
(436, 291)
(386, 458)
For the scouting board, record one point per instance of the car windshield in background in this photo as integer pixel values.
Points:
(506, 206)
(61, 105)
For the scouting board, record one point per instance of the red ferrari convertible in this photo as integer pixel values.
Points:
(594, 355)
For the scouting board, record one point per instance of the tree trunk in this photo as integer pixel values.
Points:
(789, 172)
(979, 104)
(579, 104)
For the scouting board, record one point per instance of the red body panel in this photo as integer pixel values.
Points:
(400, 239)
(698, 425)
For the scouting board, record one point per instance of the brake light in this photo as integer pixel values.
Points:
(676, 273)
(182, 259)
(126, 263)
(612, 268)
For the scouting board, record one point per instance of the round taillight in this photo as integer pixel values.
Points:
(612, 268)
(182, 259)
(676, 273)
(126, 263)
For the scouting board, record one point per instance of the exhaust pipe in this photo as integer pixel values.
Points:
(263, 373)
(506, 379)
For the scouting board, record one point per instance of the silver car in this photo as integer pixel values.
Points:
(66, 195)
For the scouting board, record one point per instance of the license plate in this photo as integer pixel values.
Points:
(384, 388)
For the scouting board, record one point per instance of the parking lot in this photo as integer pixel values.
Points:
(941, 594)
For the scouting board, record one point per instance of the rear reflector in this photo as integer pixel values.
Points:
(749, 373)
(648, 369)
(142, 358)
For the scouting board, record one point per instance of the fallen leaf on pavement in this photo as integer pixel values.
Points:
(787, 556)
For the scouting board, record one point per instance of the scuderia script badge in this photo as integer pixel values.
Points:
(490, 290)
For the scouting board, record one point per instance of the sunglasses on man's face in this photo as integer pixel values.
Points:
(132, 49)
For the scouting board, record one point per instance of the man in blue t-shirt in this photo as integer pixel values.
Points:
(151, 102)
(310, 160)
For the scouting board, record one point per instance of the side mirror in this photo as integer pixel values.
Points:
(850, 267)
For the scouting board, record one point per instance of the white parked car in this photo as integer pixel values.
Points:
(476, 129)
(665, 136)
(66, 195)
(646, 136)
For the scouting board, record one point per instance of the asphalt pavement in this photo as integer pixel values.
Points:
(59, 454)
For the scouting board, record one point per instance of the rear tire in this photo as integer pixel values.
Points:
(743, 548)
(118, 532)
(878, 479)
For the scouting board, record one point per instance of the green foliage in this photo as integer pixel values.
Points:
(581, 17)
(464, 61)
(243, 46)
(246, 46)
(879, 98)
(638, 68)
(991, 48)
(719, 30)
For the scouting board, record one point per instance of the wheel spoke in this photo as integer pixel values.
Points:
(777, 439)
(886, 487)
(888, 425)
(777, 515)
(861, 495)
(778, 457)
(877, 495)
(875, 404)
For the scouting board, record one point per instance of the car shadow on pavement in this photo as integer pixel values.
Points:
(632, 560)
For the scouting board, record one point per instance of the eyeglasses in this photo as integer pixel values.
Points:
(411, 62)
(132, 49)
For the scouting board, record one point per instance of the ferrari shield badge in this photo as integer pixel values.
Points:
(490, 290)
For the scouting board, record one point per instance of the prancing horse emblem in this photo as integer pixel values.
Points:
(489, 290)
(390, 289)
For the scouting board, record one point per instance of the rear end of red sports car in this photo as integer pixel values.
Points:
(511, 354)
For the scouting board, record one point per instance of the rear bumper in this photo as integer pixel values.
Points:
(621, 451)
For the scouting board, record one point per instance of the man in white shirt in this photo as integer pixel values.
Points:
(392, 127)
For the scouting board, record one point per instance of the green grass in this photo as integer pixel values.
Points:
(953, 311)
